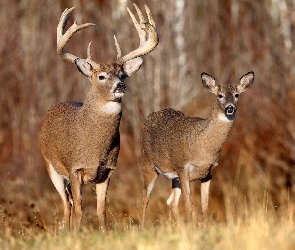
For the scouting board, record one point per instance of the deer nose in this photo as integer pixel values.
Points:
(230, 110)
(121, 88)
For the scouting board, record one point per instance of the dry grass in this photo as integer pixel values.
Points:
(255, 231)
(239, 222)
(252, 198)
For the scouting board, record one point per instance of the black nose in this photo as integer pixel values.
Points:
(120, 87)
(230, 110)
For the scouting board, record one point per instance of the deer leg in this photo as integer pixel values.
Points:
(205, 195)
(102, 183)
(70, 199)
(205, 185)
(174, 198)
(101, 192)
(149, 176)
(58, 182)
(76, 187)
(184, 181)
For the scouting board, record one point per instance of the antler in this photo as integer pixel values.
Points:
(146, 45)
(63, 37)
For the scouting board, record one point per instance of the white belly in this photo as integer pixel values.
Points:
(169, 175)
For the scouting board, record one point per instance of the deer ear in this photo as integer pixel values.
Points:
(84, 67)
(131, 66)
(209, 83)
(246, 81)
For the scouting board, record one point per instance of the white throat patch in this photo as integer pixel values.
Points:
(112, 108)
(222, 117)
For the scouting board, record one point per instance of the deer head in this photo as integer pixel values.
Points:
(108, 79)
(228, 94)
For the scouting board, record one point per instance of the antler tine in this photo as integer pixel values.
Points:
(65, 16)
(150, 16)
(89, 56)
(63, 37)
(139, 13)
(144, 30)
(140, 31)
(119, 54)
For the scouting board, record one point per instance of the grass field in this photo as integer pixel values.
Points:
(31, 219)
(255, 231)
(252, 197)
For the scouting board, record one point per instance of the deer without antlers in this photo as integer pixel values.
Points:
(80, 141)
(187, 148)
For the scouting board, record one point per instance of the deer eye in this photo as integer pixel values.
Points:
(220, 96)
(236, 95)
(102, 76)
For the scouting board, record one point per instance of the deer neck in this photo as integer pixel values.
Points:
(218, 127)
(98, 105)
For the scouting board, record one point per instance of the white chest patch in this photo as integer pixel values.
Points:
(112, 108)
(222, 117)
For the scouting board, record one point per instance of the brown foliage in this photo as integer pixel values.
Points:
(225, 40)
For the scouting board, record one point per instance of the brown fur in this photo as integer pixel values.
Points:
(75, 131)
(188, 147)
(80, 142)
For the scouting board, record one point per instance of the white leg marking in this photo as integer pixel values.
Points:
(58, 182)
(205, 195)
(174, 197)
(151, 186)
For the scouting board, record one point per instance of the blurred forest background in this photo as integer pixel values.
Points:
(225, 38)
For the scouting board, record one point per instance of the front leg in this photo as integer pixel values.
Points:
(103, 182)
(184, 182)
(205, 185)
(205, 195)
(101, 192)
(174, 199)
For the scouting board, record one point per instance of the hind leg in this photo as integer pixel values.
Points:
(174, 199)
(149, 176)
(77, 210)
(59, 183)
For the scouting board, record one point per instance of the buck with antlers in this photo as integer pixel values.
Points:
(80, 141)
(187, 148)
